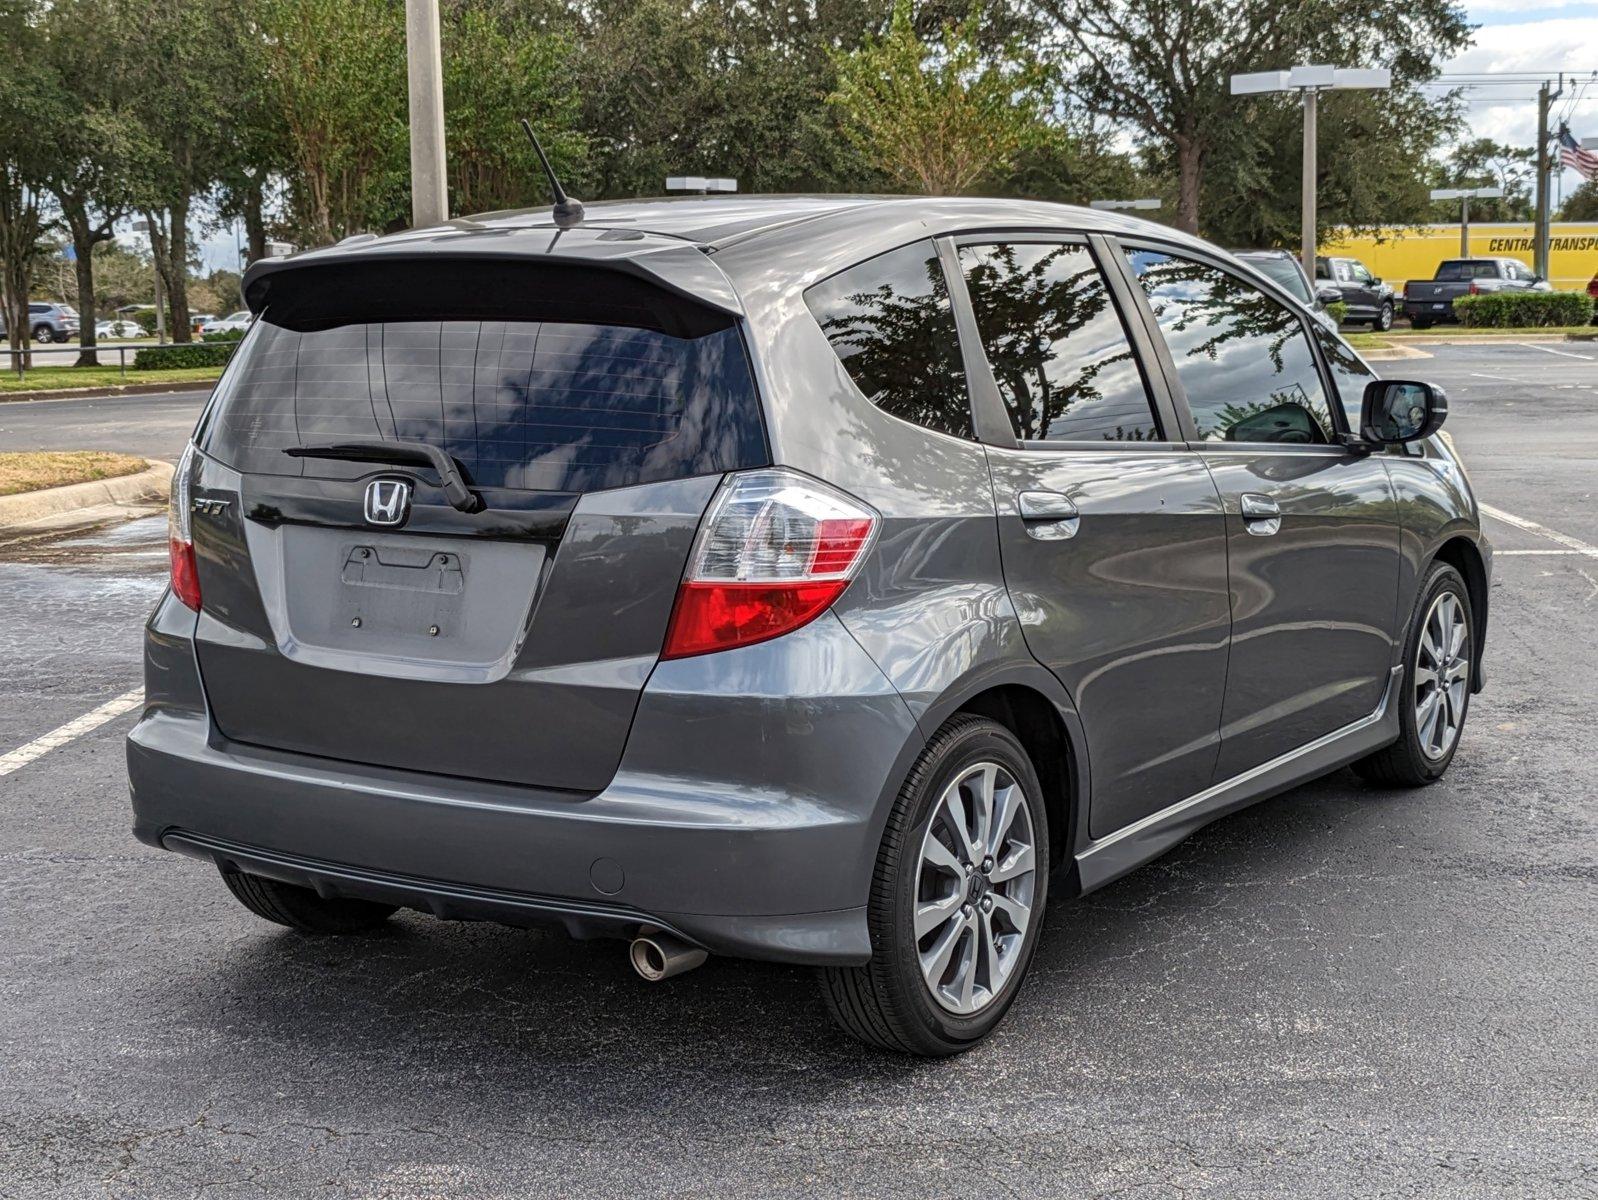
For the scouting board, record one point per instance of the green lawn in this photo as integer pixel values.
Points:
(1375, 341)
(52, 378)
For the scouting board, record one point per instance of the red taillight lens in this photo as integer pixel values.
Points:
(776, 551)
(1474, 290)
(185, 575)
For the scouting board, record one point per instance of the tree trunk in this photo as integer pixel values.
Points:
(1189, 179)
(76, 211)
(254, 222)
(169, 247)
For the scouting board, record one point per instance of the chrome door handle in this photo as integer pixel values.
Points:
(1261, 515)
(1048, 516)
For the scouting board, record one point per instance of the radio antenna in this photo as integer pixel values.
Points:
(568, 210)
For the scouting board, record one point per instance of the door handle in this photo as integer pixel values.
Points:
(1048, 516)
(1261, 515)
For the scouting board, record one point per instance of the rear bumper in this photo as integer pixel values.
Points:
(744, 818)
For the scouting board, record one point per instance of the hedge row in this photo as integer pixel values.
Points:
(1523, 309)
(166, 358)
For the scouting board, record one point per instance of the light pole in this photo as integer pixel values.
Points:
(1111, 205)
(1310, 82)
(1465, 196)
(429, 187)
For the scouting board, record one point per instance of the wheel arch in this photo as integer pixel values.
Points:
(1037, 722)
(1461, 553)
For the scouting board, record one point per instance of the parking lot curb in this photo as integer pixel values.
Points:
(129, 389)
(147, 486)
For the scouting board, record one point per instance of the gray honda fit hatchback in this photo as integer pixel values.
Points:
(827, 580)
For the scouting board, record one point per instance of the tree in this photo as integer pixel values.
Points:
(1164, 68)
(26, 96)
(180, 91)
(97, 143)
(939, 118)
(1581, 204)
(1483, 162)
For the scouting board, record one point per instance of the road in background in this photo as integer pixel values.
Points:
(155, 425)
(1340, 992)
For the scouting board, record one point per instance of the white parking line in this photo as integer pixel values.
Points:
(1553, 535)
(71, 731)
(1551, 350)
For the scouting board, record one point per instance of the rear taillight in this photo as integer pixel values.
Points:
(185, 576)
(1475, 290)
(776, 551)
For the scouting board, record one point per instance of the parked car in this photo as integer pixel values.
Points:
(239, 321)
(119, 328)
(1430, 301)
(1367, 297)
(1283, 268)
(48, 322)
(198, 321)
(824, 580)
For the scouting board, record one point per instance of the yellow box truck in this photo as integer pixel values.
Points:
(1396, 255)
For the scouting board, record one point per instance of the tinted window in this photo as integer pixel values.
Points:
(1349, 373)
(1059, 352)
(539, 405)
(1460, 270)
(890, 322)
(1243, 358)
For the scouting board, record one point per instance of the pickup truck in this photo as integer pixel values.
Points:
(1427, 301)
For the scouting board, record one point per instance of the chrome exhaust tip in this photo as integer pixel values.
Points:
(658, 956)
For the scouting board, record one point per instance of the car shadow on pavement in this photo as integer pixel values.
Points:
(494, 1015)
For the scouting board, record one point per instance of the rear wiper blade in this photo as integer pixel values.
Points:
(419, 454)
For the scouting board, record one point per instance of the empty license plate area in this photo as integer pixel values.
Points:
(398, 591)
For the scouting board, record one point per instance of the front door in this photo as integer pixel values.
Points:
(1111, 533)
(1311, 526)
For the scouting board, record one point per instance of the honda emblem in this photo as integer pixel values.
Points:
(388, 502)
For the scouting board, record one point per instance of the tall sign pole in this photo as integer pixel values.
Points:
(429, 188)
(1307, 198)
(1309, 82)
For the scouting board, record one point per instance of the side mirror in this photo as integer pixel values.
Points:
(1401, 410)
(1328, 294)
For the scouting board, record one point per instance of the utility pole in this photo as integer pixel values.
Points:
(429, 187)
(1545, 99)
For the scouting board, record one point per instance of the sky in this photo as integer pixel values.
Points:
(1543, 36)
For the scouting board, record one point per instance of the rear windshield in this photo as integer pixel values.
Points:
(1283, 272)
(535, 404)
(1457, 272)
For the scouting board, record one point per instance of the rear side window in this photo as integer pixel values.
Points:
(1059, 352)
(543, 405)
(1244, 359)
(890, 322)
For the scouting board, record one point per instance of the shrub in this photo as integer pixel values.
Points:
(1499, 310)
(226, 335)
(1338, 311)
(166, 358)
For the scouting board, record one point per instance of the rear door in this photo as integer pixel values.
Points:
(592, 417)
(1110, 527)
(1311, 526)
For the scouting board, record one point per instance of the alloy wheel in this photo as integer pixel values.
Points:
(1442, 676)
(975, 883)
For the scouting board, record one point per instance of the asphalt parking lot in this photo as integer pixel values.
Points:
(1341, 992)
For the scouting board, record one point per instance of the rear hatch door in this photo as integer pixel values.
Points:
(590, 416)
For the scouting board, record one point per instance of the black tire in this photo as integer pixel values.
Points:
(887, 1003)
(1404, 764)
(302, 909)
(1384, 318)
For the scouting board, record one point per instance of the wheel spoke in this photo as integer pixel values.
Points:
(1457, 670)
(936, 960)
(1018, 913)
(1426, 717)
(934, 913)
(986, 784)
(965, 981)
(954, 805)
(1018, 863)
(1005, 806)
(935, 853)
(1424, 676)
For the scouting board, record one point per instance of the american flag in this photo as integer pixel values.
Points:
(1583, 162)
